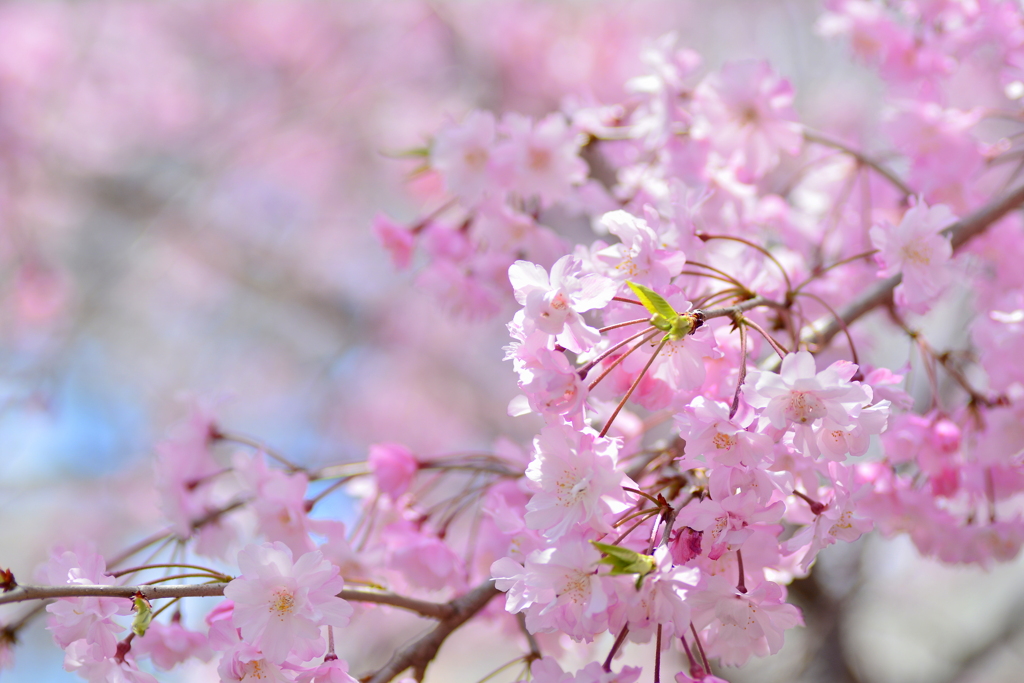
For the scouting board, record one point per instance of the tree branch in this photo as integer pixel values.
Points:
(420, 653)
(434, 610)
(960, 233)
(861, 158)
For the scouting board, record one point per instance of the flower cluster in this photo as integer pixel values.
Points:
(678, 271)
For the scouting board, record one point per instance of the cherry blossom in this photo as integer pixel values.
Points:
(799, 395)
(279, 604)
(553, 304)
(916, 249)
(746, 111)
(576, 481)
(461, 153)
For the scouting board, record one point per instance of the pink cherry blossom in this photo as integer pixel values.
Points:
(279, 605)
(540, 158)
(394, 467)
(246, 664)
(741, 624)
(799, 395)
(423, 558)
(640, 256)
(553, 304)
(746, 111)
(576, 481)
(87, 618)
(712, 434)
(331, 671)
(916, 249)
(171, 644)
(90, 662)
(461, 153)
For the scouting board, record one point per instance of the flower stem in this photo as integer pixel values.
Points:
(633, 387)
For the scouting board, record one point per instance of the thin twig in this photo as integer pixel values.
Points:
(821, 139)
(24, 593)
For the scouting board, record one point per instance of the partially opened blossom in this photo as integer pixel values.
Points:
(280, 605)
(393, 466)
(423, 558)
(551, 385)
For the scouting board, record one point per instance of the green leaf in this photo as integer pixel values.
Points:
(664, 317)
(625, 561)
(654, 303)
(143, 615)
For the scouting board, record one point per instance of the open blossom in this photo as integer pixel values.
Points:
(576, 481)
(559, 588)
(799, 395)
(553, 304)
(711, 433)
(640, 255)
(917, 249)
(660, 600)
(540, 158)
(742, 624)
(280, 605)
(746, 111)
(85, 618)
(461, 153)
(246, 664)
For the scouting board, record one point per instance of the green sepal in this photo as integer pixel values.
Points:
(143, 615)
(681, 326)
(625, 561)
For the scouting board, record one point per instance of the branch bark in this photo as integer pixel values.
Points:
(419, 654)
(434, 610)
(960, 233)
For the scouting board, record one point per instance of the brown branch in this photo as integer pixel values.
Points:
(747, 305)
(960, 233)
(434, 610)
(861, 158)
(420, 653)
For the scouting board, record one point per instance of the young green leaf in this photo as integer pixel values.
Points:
(654, 302)
(625, 561)
(143, 615)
